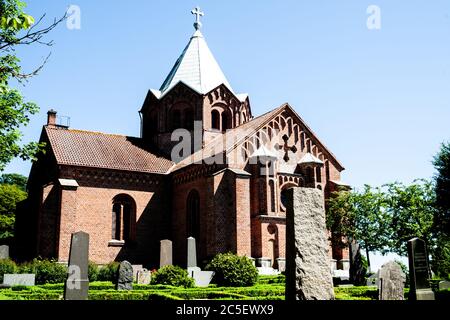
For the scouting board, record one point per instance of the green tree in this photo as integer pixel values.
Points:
(441, 258)
(442, 188)
(10, 195)
(16, 29)
(359, 216)
(412, 211)
(15, 179)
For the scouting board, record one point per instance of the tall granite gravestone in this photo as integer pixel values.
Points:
(4, 252)
(419, 271)
(308, 274)
(77, 283)
(165, 257)
(125, 276)
(191, 253)
(391, 282)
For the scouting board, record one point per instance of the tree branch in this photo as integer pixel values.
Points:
(33, 36)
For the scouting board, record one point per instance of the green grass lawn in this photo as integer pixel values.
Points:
(267, 288)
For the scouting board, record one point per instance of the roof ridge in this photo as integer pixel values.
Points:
(91, 132)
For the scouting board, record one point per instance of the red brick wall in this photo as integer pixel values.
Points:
(89, 209)
(242, 225)
(270, 241)
(179, 220)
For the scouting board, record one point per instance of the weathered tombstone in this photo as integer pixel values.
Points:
(144, 276)
(136, 269)
(201, 278)
(10, 280)
(191, 253)
(357, 274)
(77, 283)
(419, 271)
(4, 252)
(165, 257)
(308, 275)
(125, 276)
(391, 282)
(281, 263)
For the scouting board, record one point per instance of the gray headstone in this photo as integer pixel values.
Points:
(308, 274)
(191, 253)
(444, 285)
(281, 263)
(136, 269)
(77, 283)
(125, 276)
(419, 273)
(165, 257)
(202, 278)
(18, 280)
(391, 282)
(144, 276)
(4, 252)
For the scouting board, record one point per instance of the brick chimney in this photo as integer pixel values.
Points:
(51, 118)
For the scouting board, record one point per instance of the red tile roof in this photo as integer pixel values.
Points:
(95, 149)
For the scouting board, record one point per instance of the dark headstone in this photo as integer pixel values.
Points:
(165, 257)
(125, 276)
(391, 282)
(419, 272)
(308, 274)
(4, 252)
(357, 271)
(191, 253)
(77, 283)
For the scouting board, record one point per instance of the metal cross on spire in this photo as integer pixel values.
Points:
(198, 13)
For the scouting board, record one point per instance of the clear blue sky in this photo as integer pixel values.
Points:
(379, 99)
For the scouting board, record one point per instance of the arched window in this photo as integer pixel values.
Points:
(309, 175)
(283, 198)
(319, 174)
(188, 119)
(123, 218)
(244, 117)
(176, 119)
(302, 141)
(193, 215)
(225, 121)
(215, 120)
(272, 195)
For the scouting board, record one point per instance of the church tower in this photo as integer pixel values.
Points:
(195, 91)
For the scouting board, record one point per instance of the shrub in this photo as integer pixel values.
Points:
(92, 272)
(46, 271)
(7, 266)
(172, 276)
(108, 272)
(233, 271)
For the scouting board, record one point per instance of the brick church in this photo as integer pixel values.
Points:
(225, 187)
